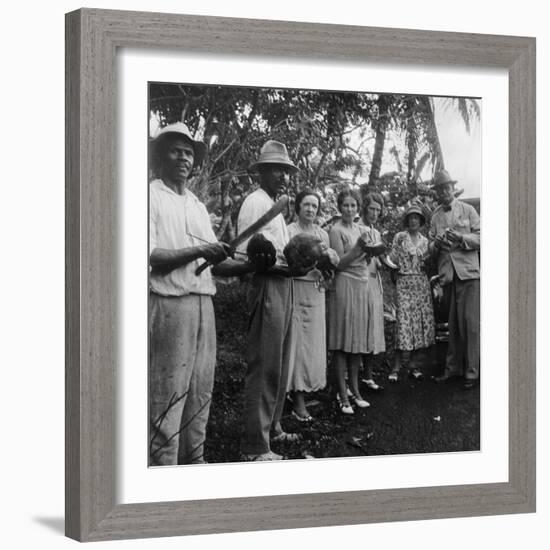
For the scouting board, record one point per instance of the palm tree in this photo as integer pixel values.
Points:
(469, 110)
(380, 124)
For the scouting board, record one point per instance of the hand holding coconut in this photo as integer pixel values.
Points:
(305, 252)
(261, 253)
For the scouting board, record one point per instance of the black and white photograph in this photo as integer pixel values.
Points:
(314, 274)
(243, 300)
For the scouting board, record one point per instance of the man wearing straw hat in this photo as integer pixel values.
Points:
(455, 242)
(270, 299)
(182, 330)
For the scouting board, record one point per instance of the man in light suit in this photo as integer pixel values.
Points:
(454, 242)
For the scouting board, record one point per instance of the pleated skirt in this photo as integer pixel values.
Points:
(348, 315)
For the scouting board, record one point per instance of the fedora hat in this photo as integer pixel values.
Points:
(181, 130)
(441, 178)
(414, 209)
(273, 152)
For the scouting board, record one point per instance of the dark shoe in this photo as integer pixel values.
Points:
(306, 418)
(270, 455)
(470, 384)
(443, 378)
(285, 437)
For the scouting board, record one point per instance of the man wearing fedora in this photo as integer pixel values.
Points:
(455, 242)
(270, 300)
(181, 316)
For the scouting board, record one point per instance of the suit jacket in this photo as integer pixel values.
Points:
(462, 259)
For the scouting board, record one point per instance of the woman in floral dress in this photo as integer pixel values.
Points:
(415, 317)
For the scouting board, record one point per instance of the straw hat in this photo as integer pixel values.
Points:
(274, 152)
(180, 129)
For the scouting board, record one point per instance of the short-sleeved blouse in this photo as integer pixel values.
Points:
(343, 237)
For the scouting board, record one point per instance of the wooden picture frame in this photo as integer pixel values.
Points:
(92, 39)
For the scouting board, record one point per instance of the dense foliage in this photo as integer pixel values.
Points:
(336, 139)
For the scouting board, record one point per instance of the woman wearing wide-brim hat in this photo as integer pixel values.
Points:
(415, 317)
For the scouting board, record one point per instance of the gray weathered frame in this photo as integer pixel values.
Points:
(92, 39)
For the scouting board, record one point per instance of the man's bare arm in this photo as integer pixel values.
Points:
(165, 260)
(232, 268)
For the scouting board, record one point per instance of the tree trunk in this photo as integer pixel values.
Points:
(412, 147)
(381, 127)
(421, 163)
(412, 143)
(433, 136)
(226, 225)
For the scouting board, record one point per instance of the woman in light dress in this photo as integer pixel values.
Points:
(348, 301)
(415, 317)
(375, 297)
(308, 372)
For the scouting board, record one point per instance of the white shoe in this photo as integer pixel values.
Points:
(371, 384)
(360, 402)
(417, 374)
(345, 408)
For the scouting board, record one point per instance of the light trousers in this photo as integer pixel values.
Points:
(182, 348)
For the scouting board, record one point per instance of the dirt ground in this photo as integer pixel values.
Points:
(407, 417)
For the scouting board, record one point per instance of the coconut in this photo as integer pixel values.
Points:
(304, 251)
(261, 252)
